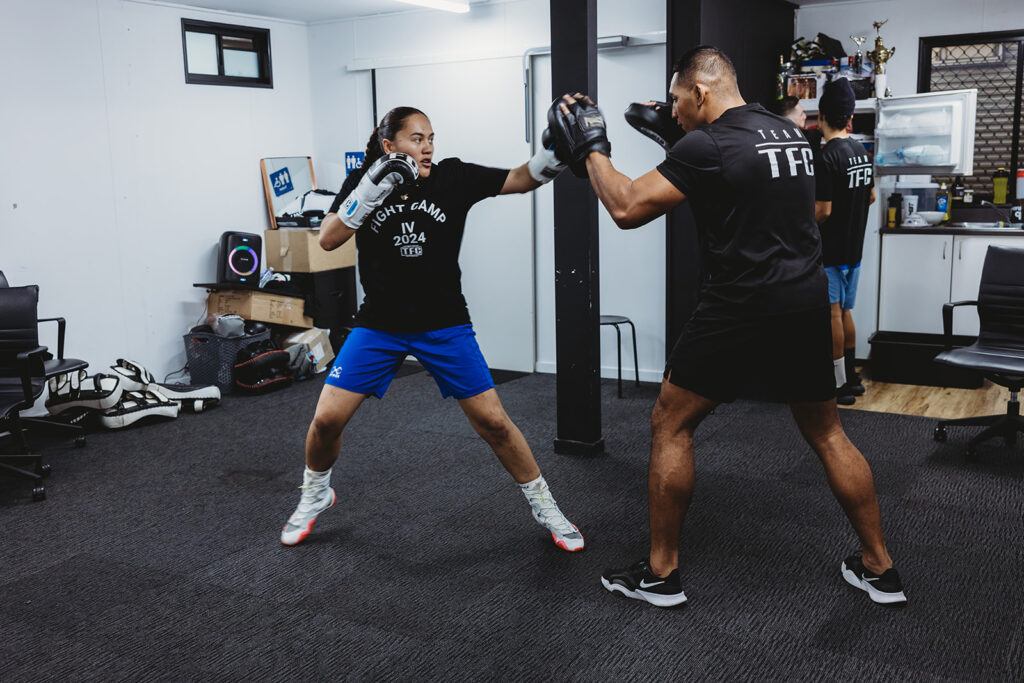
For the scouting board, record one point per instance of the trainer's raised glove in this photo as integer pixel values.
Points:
(376, 184)
(544, 166)
(656, 122)
(578, 133)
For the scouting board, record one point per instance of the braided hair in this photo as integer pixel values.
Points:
(392, 122)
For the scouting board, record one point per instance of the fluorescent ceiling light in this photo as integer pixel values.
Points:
(460, 6)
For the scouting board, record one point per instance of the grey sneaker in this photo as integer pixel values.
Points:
(301, 522)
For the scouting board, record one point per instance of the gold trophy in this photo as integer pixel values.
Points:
(879, 56)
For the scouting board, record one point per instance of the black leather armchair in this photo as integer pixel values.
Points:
(999, 352)
(24, 368)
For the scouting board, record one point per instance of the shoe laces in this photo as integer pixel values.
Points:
(550, 516)
(311, 495)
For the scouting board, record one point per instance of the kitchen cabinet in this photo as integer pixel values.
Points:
(968, 262)
(921, 272)
(915, 281)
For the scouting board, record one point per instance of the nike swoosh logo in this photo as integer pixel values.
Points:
(644, 584)
(874, 579)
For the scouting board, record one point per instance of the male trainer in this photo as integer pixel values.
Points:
(749, 176)
(845, 189)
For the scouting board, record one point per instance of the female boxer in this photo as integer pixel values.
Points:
(408, 214)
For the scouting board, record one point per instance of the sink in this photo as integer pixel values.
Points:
(981, 225)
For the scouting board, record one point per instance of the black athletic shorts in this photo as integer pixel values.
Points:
(716, 357)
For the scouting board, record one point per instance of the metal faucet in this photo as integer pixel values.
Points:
(1005, 214)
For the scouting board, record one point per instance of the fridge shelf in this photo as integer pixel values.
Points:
(938, 169)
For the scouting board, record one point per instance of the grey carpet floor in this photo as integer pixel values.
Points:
(156, 553)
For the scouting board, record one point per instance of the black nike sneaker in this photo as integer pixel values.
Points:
(845, 396)
(885, 588)
(639, 583)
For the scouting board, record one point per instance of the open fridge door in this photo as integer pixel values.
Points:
(929, 133)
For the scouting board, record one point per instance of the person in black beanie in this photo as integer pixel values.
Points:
(844, 189)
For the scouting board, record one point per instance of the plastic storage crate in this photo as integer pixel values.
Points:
(211, 358)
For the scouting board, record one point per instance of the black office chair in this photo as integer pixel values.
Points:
(999, 352)
(24, 368)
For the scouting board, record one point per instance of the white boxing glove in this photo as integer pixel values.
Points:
(376, 184)
(544, 165)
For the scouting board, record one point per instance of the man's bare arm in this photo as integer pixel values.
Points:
(631, 203)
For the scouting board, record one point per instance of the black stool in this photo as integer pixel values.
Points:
(615, 321)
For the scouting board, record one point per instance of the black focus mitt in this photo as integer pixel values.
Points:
(656, 122)
(578, 133)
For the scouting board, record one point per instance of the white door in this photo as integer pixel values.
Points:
(476, 111)
(916, 271)
(632, 263)
(927, 133)
(968, 262)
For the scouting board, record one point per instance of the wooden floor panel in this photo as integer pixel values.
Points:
(940, 402)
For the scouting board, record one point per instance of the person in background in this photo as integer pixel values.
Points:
(789, 107)
(844, 189)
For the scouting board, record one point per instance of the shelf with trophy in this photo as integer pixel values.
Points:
(815, 62)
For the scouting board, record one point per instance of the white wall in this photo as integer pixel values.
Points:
(342, 117)
(123, 175)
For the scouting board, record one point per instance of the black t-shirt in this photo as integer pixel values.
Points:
(409, 248)
(749, 178)
(844, 177)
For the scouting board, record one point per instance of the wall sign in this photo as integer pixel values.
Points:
(353, 160)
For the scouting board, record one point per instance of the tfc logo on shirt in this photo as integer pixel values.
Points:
(785, 151)
(859, 171)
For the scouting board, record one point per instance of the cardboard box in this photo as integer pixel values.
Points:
(265, 307)
(319, 345)
(292, 250)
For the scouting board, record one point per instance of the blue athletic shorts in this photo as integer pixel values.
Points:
(369, 359)
(842, 285)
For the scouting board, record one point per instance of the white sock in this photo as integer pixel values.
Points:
(536, 487)
(839, 364)
(315, 481)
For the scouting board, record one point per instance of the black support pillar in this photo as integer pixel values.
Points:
(577, 300)
(682, 252)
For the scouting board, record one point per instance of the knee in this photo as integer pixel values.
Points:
(326, 428)
(827, 439)
(494, 428)
(667, 422)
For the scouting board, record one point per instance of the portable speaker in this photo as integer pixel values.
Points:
(239, 257)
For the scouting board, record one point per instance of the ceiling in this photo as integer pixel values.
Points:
(310, 11)
(313, 11)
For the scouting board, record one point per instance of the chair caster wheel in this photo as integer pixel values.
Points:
(38, 494)
(79, 442)
(46, 470)
(940, 434)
